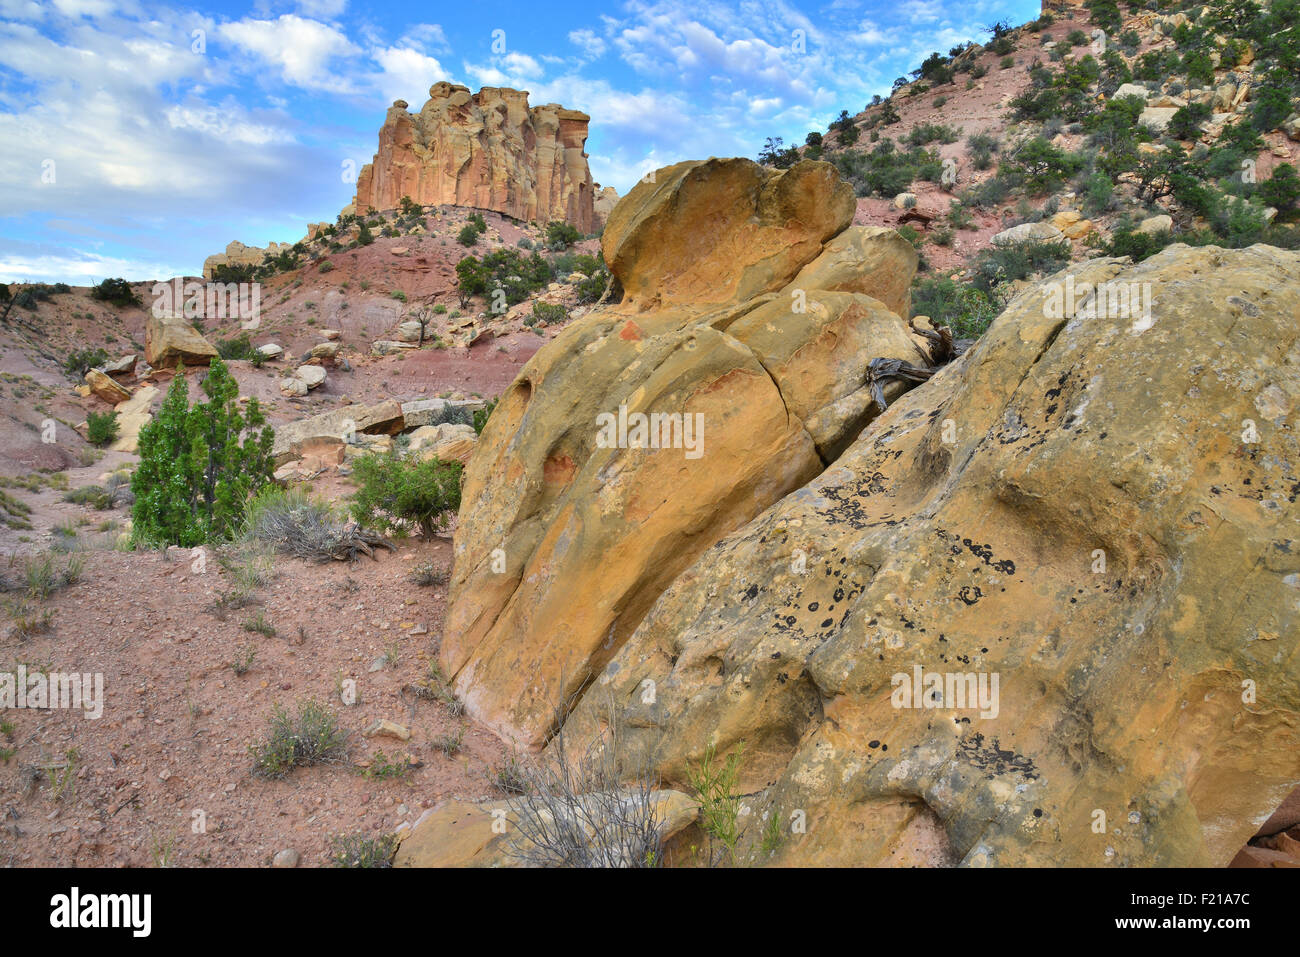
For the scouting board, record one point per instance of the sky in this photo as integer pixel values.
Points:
(137, 138)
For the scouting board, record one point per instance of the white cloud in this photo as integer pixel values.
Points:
(84, 8)
(82, 268)
(21, 10)
(302, 49)
(588, 42)
(406, 74)
(322, 8)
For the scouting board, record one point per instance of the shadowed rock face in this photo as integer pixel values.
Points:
(1100, 512)
(488, 150)
(746, 318)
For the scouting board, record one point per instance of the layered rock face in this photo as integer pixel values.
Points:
(237, 254)
(1100, 513)
(488, 150)
(750, 316)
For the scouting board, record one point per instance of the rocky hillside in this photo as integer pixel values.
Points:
(1099, 128)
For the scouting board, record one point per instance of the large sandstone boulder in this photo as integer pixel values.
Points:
(105, 387)
(1096, 511)
(722, 231)
(572, 523)
(487, 150)
(384, 418)
(167, 340)
(1028, 233)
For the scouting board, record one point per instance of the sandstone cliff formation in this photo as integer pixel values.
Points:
(1097, 513)
(237, 254)
(488, 150)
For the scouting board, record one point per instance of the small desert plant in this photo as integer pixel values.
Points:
(382, 767)
(101, 427)
(354, 850)
(310, 737)
(294, 523)
(450, 744)
(62, 777)
(43, 577)
(509, 777)
(241, 664)
(587, 808)
(260, 626)
(426, 574)
(715, 788)
(28, 621)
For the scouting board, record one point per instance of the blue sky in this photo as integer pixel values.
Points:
(136, 138)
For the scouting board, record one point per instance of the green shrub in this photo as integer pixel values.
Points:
(393, 493)
(518, 276)
(468, 236)
(997, 265)
(240, 347)
(482, 415)
(78, 363)
(311, 737)
(199, 465)
(966, 310)
(117, 292)
(101, 427)
(561, 235)
(546, 314)
(354, 850)
(1186, 122)
(1137, 245)
(478, 222)
(1282, 189)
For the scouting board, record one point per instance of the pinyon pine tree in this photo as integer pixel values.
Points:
(199, 465)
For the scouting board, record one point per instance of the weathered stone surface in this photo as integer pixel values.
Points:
(105, 388)
(1028, 232)
(384, 418)
(871, 260)
(389, 347)
(271, 350)
(421, 412)
(1155, 224)
(460, 834)
(1131, 89)
(1157, 117)
(449, 442)
(975, 548)
(122, 366)
(1072, 224)
(132, 416)
(722, 230)
(751, 366)
(487, 150)
(167, 340)
(606, 200)
(311, 375)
